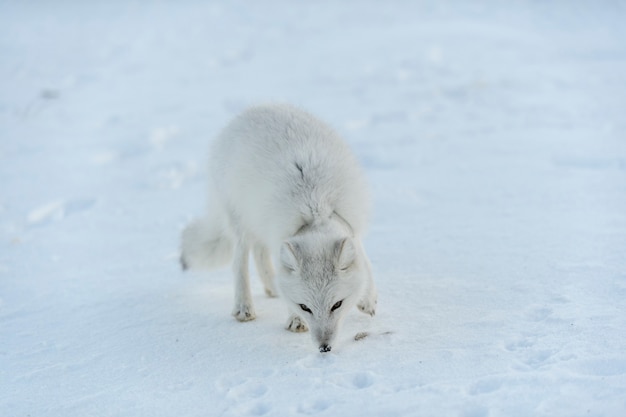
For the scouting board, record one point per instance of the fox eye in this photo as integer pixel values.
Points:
(305, 308)
(336, 306)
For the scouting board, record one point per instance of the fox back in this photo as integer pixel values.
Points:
(279, 168)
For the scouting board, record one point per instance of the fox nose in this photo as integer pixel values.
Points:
(325, 348)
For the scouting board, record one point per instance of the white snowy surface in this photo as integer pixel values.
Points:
(494, 138)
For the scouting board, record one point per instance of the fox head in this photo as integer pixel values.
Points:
(321, 279)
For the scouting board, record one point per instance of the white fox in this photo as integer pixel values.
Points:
(283, 183)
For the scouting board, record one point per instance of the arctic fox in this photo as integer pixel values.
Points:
(285, 186)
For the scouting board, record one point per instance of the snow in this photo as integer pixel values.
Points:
(492, 134)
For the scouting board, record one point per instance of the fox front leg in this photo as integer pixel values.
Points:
(243, 309)
(367, 304)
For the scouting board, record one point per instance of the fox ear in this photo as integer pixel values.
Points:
(345, 253)
(288, 257)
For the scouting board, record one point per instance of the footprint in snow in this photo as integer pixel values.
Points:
(357, 380)
(241, 386)
(602, 367)
(248, 389)
(539, 314)
(245, 393)
(486, 386)
(258, 408)
(520, 344)
(539, 358)
(314, 406)
(362, 380)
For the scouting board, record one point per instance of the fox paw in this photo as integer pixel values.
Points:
(296, 324)
(244, 312)
(367, 306)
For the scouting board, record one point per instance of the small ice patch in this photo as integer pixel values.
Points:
(161, 135)
(104, 157)
(52, 211)
(57, 210)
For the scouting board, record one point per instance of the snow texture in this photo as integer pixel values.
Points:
(493, 135)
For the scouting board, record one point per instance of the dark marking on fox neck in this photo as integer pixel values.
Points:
(299, 167)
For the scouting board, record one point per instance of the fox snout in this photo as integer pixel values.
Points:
(324, 338)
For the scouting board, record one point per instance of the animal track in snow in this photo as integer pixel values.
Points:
(260, 409)
(536, 359)
(485, 386)
(362, 380)
(314, 406)
(241, 388)
(247, 390)
(246, 393)
(520, 344)
(356, 381)
(602, 367)
(539, 314)
(475, 411)
(251, 409)
(529, 355)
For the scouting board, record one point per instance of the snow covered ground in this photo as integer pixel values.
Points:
(494, 138)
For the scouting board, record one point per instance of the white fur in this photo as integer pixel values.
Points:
(283, 183)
